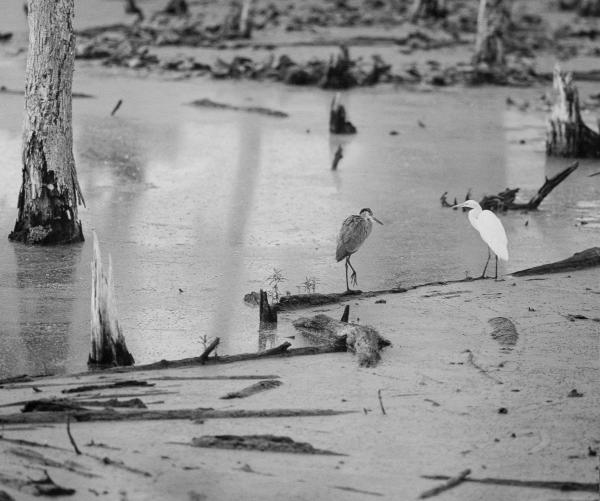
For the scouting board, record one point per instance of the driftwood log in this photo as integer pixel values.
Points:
(338, 124)
(578, 261)
(505, 200)
(567, 135)
(363, 340)
(108, 344)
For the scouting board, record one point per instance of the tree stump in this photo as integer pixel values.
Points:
(337, 118)
(176, 8)
(567, 135)
(493, 22)
(238, 22)
(589, 8)
(267, 313)
(428, 9)
(50, 192)
(108, 344)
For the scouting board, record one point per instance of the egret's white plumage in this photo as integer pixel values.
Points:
(354, 231)
(490, 229)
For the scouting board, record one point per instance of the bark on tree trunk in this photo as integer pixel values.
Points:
(50, 191)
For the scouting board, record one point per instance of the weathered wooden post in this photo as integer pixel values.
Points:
(50, 191)
(108, 344)
(493, 21)
(567, 135)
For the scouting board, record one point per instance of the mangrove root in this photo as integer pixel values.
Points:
(567, 135)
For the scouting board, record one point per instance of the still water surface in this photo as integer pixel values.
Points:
(198, 206)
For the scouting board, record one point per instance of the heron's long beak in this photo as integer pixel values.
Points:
(377, 220)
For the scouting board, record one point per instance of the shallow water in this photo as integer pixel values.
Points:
(198, 206)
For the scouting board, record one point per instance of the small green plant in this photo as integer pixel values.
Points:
(309, 285)
(274, 280)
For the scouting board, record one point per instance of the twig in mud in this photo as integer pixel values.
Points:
(451, 482)
(77, 451)
(381, 402)
(339, 154)
(471, 361)
(208, 349)
(117, 106)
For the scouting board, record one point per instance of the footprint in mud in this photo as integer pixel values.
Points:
(504, 331)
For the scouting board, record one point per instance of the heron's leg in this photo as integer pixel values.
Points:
(353, 276)
(486, 264)
(347, 286)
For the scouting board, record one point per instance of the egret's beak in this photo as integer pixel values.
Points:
(377, 220)
(457, 206)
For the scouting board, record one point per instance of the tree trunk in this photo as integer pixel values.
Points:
(493, 22)
(50, 191)
(567, 135)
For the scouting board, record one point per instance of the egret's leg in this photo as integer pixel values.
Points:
(353, 276)
(486, 264)
(496, 277)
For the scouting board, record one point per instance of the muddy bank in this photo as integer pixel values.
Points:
(490, 390)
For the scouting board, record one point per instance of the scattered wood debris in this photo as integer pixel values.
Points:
(263, 443)
(449, 484)
(259, 387)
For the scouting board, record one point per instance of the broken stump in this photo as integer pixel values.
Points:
(337, 118)
(567, 135)
(108, 344)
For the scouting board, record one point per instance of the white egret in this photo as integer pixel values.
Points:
(353, 233)
(491, 230)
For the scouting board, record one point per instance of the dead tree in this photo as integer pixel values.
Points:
(493, 22)
(108, 344)
(50, 192)
(567, 135)
(132, 8)
(428, 9)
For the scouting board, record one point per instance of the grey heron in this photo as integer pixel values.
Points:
(353, 233)
(491, 231)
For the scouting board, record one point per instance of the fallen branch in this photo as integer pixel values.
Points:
(209, 103)
(159, 415)
(36, 457)
(208, 350)
(253, 389)
(536, 484)
(450, 483)
(118, 384)
(578, 261)
(213, 378)
(43, 487)
(381, 402)
(116, 108)
(505, 200)
(71, 439)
